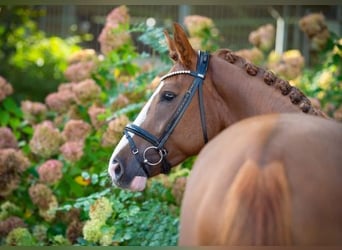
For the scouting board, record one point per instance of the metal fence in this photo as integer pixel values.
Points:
(234, 22)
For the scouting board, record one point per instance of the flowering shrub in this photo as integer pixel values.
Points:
(54, 154)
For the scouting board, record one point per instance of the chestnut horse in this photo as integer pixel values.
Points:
(202, 95)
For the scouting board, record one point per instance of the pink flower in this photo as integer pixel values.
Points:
(76, 130)
(72, 151)
(9, 224)
(60, 101)
(195, 24)
(41, 195)
(94, 113)
(33, 111)
(50, 171)
(7, 138)
(80, 71)
(113, 35)
(263, 37)
(12, 164)
(5, 88)
(46, 140)
(114, 131)
(87, 91)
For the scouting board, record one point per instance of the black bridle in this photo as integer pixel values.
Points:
(158, 143)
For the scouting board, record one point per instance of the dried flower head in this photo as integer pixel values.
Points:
(76, 130)
(41, 195)
(84, 55)
(7, 138)
(49, 213)
(263, 37)
(5, 88)
(95, 113)
(289, 65)
(46, 140)
(315, 27)
(74, 231)
(12, 164)
(114, 131)
(60, 101)
(114, 34)
(7, 209)
(195, 24)
(87, 91)
(50, 171)
(9, 224)
(33, 111)
(253, 55)
(72, 151)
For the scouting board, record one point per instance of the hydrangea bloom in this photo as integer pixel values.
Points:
(9, 224)
(114, 131)
(101, 209)
(74, 231)
(195, 24)
(263, 37)
(49, 213)
(86, 91)
(253, 55)
(81, 65)
(92, 230)
(94, 112)
(289, 65)
(20, 237)
(72, 151)
(7, 138)
(76, 130)
(60, 101)
(46, 140)
(12, 164)
(5, 88)
(111, 36)
(41, 195)
(50, 171)
(33, 111)
(315, 27)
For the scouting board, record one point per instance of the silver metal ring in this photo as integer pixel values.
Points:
(161, 154)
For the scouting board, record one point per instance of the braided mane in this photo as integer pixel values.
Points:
(296, 96)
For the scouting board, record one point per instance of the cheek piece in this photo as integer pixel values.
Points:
(157, 144)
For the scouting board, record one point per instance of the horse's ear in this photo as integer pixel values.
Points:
(186, 54)
(171, 44)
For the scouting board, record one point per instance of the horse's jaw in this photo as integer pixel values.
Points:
(138, 183)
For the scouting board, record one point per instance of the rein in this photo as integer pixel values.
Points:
(158, 143)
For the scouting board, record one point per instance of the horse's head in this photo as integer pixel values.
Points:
(172, 125)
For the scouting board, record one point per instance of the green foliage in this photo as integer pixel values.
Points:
(35, 63)
(148, 218)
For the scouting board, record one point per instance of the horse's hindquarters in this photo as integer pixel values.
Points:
(271, 180)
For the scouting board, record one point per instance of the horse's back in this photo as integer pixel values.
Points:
(273, 179)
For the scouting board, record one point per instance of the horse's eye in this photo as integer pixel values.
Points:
(168, 96)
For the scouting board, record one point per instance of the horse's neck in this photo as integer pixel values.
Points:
(248, 90)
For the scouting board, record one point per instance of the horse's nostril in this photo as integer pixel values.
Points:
(117, 169)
